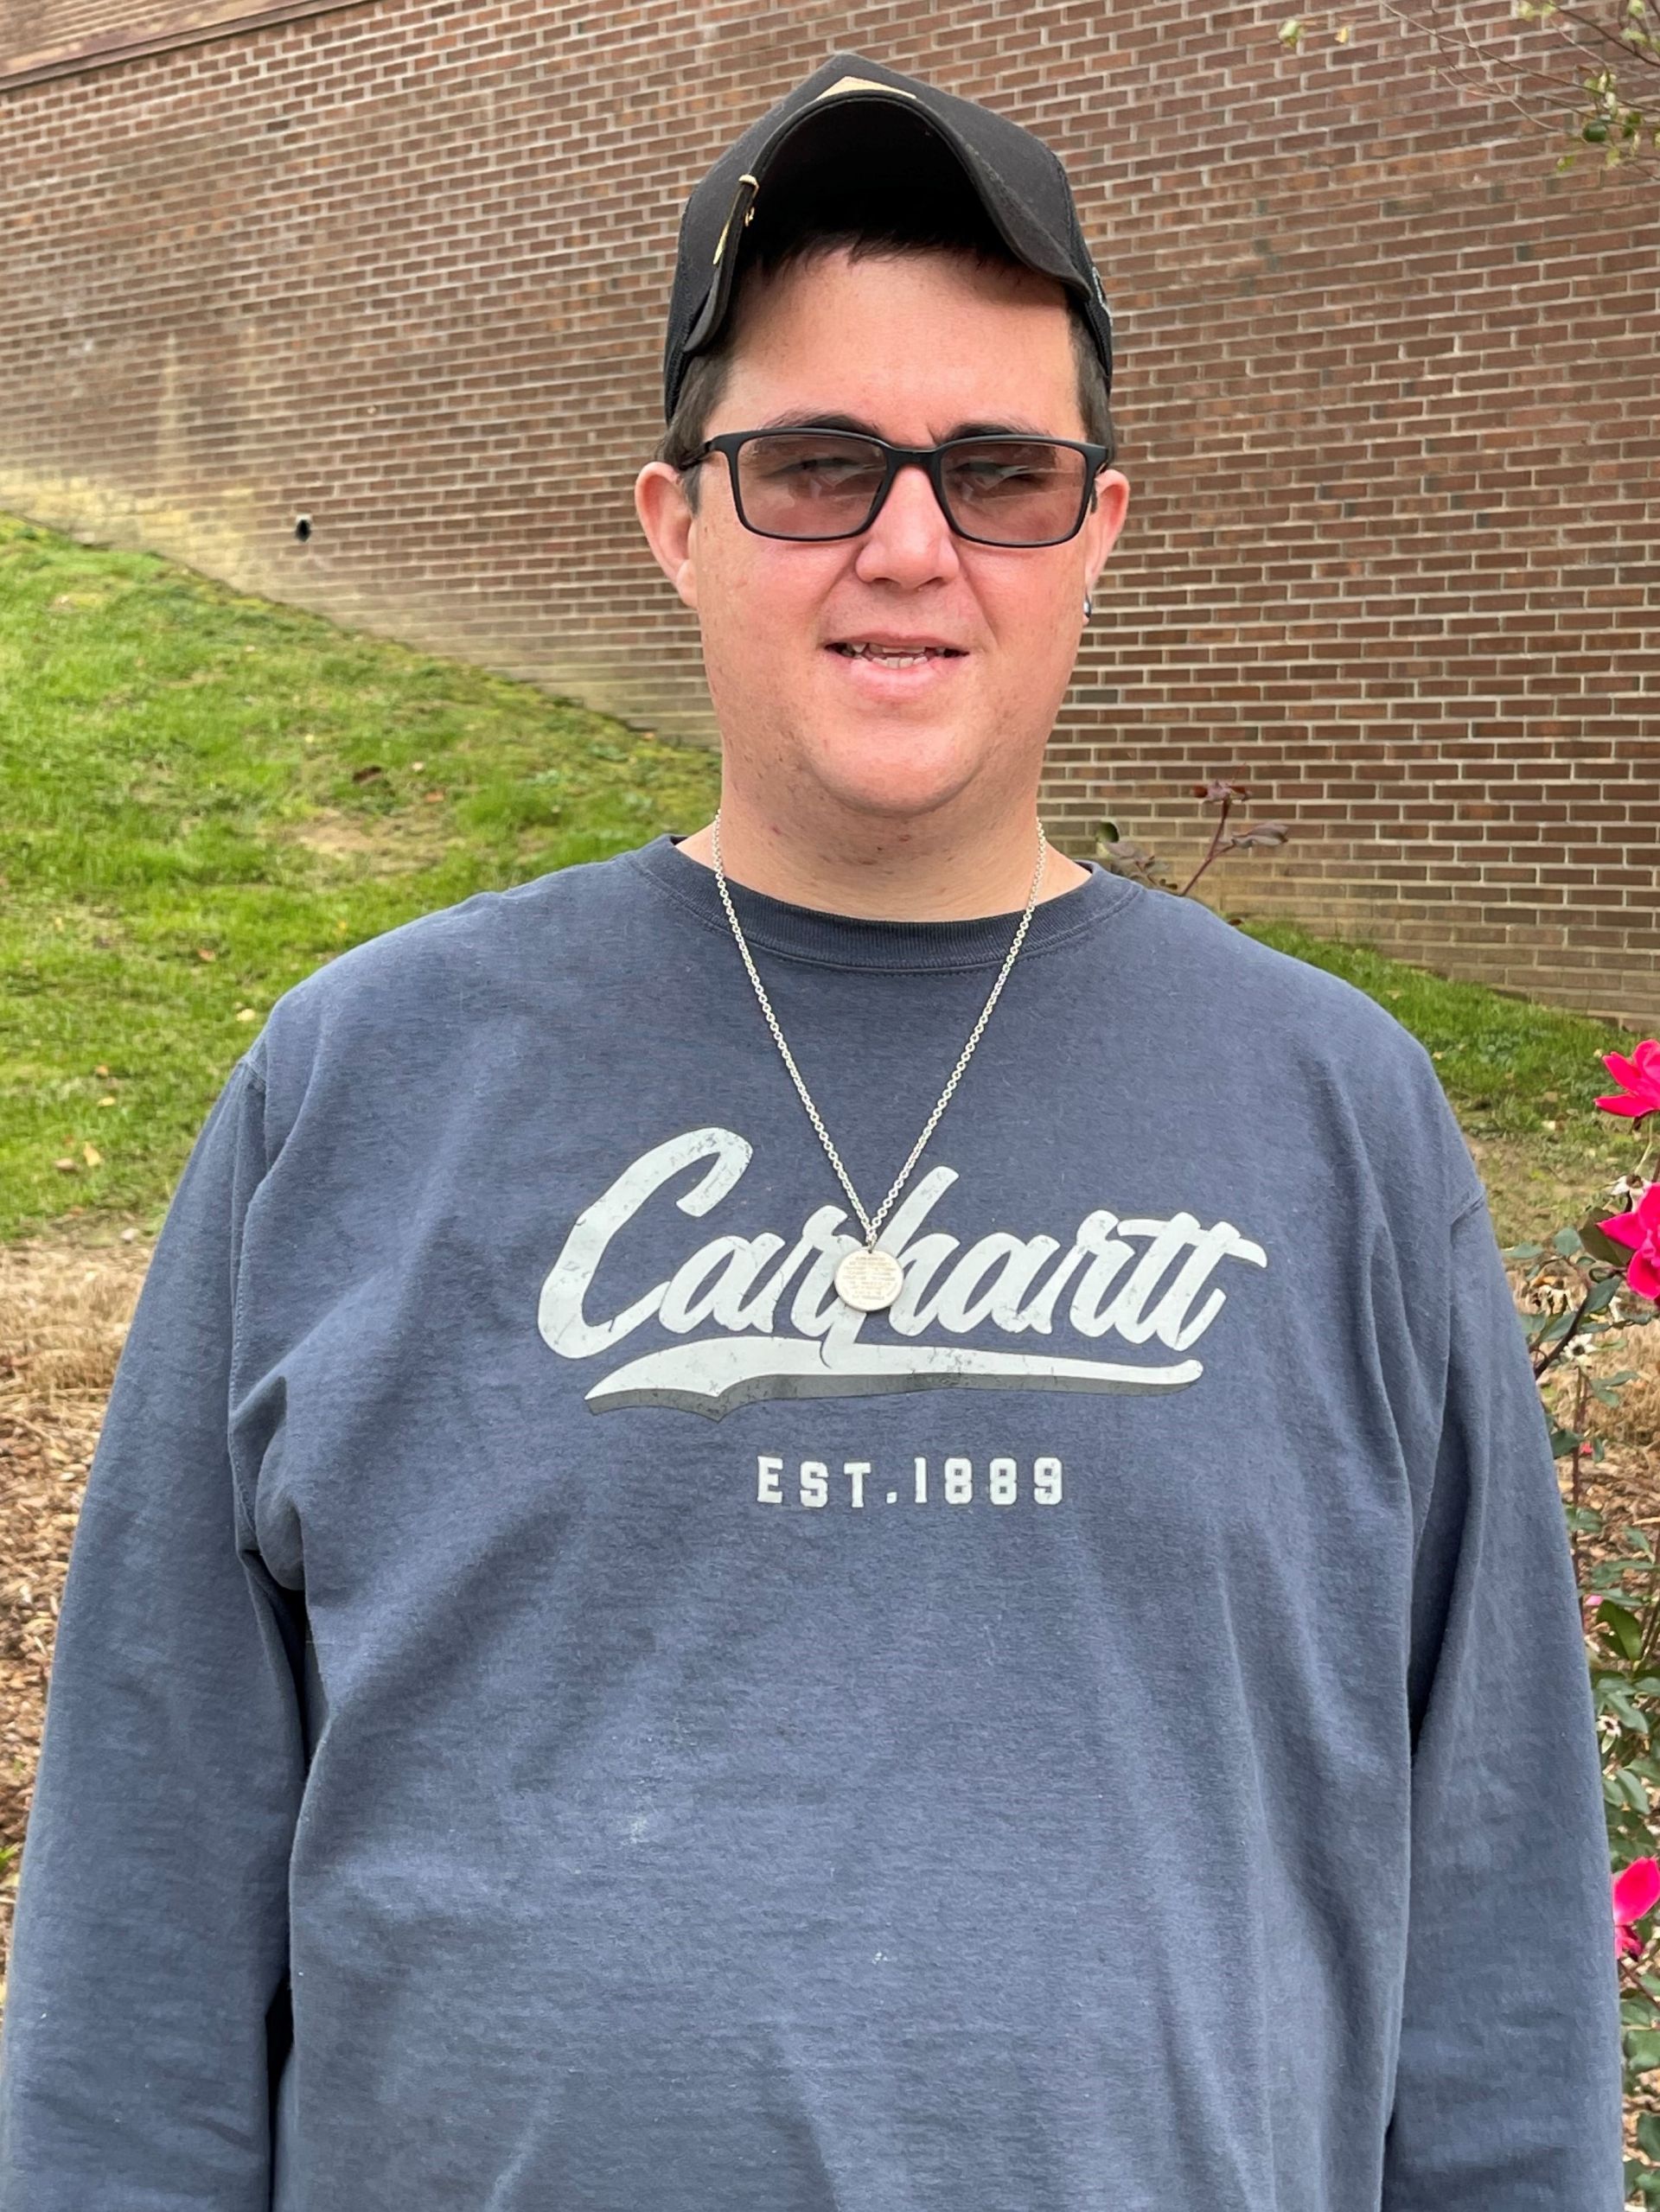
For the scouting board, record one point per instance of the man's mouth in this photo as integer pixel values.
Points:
(895, 656)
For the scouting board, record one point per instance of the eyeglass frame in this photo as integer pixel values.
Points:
(928, 458)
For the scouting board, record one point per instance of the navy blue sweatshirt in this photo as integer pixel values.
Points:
(553, 1709)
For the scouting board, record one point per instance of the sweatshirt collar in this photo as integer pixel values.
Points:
(853, 942)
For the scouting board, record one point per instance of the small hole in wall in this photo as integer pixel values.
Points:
(302, 528)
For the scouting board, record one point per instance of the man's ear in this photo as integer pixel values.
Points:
(1103, 524)
(670, 525)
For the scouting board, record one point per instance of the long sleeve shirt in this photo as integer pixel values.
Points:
(552, 1707)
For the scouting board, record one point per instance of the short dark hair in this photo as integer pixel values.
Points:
(942, 222)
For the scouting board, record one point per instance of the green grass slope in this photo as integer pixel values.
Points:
(204, 795)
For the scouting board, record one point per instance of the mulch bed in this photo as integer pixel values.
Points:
(64, 1311)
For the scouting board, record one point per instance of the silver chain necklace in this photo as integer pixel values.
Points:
(868, 1279)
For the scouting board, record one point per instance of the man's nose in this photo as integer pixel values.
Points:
(911, 542)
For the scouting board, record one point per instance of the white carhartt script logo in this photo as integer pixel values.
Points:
(1138, 1280)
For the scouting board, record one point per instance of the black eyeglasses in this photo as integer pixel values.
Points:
(812, 485)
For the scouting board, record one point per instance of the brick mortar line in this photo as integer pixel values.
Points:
(82, 62)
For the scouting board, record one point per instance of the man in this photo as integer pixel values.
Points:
(609, 1663)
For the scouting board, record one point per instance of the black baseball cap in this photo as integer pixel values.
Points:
(849, 144)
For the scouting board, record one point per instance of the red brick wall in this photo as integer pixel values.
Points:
(1387, 396)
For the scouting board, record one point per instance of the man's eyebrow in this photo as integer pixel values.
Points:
(805, 419)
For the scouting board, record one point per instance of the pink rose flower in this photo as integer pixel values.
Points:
(1641, 1076)
(1640, 1230)
(1636, 1892)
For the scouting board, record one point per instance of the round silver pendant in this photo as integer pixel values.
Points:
(869, 1280)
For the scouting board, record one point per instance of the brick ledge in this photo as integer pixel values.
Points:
(106, 53)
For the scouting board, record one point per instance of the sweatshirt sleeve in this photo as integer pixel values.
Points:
(1507, 2089)
(146, 1999)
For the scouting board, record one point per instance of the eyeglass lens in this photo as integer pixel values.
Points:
(826, 484)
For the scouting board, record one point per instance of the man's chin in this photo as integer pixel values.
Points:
(862, 691)
(895, 773)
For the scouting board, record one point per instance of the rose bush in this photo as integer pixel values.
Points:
(1592, 1282)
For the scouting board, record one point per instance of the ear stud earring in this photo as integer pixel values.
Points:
(1089, 606)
